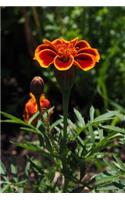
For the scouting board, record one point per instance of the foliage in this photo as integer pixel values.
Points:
(112, 180)
(88, 144)
(15, 184)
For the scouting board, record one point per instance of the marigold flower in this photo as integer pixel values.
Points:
(65, 54)
(31, 106)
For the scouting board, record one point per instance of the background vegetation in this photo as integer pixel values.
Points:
(22, 29)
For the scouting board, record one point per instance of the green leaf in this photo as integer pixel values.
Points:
(35, 165)
(108, 188)
(33, 117)
(27, 168)
(13, 118)
(79, 117)
(108, 179)
(107, 116)
(32, 130)
(119, 163)
(117, 106)
(32, 147)
(39, 123)
(13, 169)
(91, 132)
(48, 112)
(92, 111)
(114, 128)
(56, 123)
(100, 133)
(111, 165)
(102, 144)
(9, 121)
(14, 172)
(3, 170)
(29, 127)
(5, 188)
(29, 146)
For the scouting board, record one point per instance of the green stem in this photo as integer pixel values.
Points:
(46, 140)
(38, 104)
(65, 96)
(65, 80)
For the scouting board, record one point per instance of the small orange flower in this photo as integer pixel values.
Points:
(31, 106)
(65, 54)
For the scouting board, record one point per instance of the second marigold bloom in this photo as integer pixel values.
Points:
(31, 106)
(64, 54)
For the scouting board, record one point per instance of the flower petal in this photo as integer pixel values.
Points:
(74, 41)
(45, 57)
(91, 51)
(57, 41)
(62, 64)
(45, 41)
(50, 44)
(82, 44)
(85, 61)
(42, 47)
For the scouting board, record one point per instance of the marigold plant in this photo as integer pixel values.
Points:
(65, 56)
(66, 152)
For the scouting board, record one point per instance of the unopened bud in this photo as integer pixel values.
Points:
(37, 86)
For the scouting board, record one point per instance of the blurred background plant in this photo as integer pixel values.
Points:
(23, 28)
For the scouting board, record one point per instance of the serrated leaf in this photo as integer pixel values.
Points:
(4, 189)
(119, 162)
(102, 144)
(13, 118)
(72, 124)
(13, 169)
(33, 117)
(48, 112)
(114, 128)
(91, 113)
(108, 179)
(111, 165)
(79, 117)
(3, 170)
(34, 165)
(106, 116)
(28, 145)
(117, 106)
(27, 168)
(31, 130)
(107, 188)
(39, 123)
(100, 133)
(14, 172)
(91, 133)
(56, 123)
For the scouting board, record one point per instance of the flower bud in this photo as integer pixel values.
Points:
(37, 86)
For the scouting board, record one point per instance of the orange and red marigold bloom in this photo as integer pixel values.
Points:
(31, 106)
(64, 54)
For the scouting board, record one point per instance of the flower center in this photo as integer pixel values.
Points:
(65, 49)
